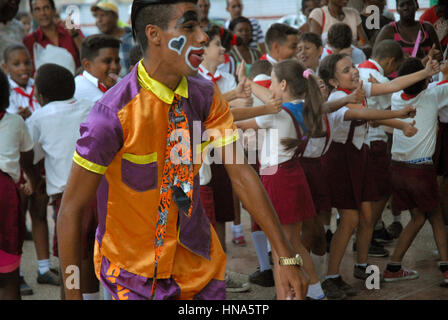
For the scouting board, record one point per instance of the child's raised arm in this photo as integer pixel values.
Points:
(357, 97)
(400, 83)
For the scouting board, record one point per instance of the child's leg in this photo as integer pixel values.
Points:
(10, 286)
(349, 221)
(89, 283)
(365, 231)
(439, 231)
(38, 213)
(237, 227)
(313, 236)
(377, 209)
(221, 232)
(408, 235)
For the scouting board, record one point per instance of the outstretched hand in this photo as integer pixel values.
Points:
(357, 96)
(244, 89)
(409, 129)
(372, 79)
(407, 112)
(432, 67)
(293, 282)
(241, 71)
(274, 105)
(435, 53)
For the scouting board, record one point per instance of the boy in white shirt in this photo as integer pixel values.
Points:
(414, 180)
(101, 63)
(340, 41)
(55, 130)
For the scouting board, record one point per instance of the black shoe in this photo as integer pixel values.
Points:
(344, 286)
(395, 229)
(262, 278)
(25, 289)
(359, 272)
(382, 235)
(328, 236)
(332, 290)
(375, 249)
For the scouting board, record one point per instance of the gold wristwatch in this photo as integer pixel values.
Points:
(294, 261)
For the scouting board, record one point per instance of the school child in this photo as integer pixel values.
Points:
(101, 64)
(347, 178)
(340, 41)
(19, 67)
(229, 40)
(26, 20)
(386, 58)
(282, 41)
(310, 49)
(16, 150)
(54, 130)
(414, 180)
(281, 173)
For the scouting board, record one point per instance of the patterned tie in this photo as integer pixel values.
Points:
(177, 178)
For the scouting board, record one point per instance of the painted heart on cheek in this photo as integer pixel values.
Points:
(177, 44)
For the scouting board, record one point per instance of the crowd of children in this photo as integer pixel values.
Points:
(338, 129)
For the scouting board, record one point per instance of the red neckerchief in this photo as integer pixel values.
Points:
(213, 79)
(329, 51)
(226, 58)
(2, 114)
(102, 87)
(264, 57)
(264, 83)
(442, 82)
(368, 65)
(364, 104)
(406, 96)
(26, 95)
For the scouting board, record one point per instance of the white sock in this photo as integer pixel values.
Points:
(261, 247)
(269, 246)
(91, 296)
(364, 265)
(326, 227)
(237, 230)
(332, 276)
(397, 218)
(43, 265)
(315, 291)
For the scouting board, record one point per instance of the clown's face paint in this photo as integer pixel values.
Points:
(194, 57)
(177, 44)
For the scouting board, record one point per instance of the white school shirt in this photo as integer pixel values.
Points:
(86, 87)
(14, 139)
(316, 147)
(443, 112)
(17, 99)
(340, 127)
(226, 81)
(278, 126)
(55, 130)
(381, 102)
(419, 148)
(358, 55)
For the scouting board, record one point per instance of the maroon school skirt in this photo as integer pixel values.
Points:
(289, 192)
(208, 203)
(222, 193)
(89, 224)
(440, 157)
(415, 186)
(12, 221)
(345, 167)
(318, 183)
(378, 185)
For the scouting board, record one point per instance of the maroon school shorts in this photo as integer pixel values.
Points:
(345, 167)
(441, 153)
(378, 185)
(289, 192)
(206, 195)
(414, 186)
(88, 225)
(318, 183)
(12, 221)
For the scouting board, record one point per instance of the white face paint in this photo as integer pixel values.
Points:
(194, 57)
(177, 44)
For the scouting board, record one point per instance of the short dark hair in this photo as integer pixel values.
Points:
(212, 32)
(53, 6)
(388, 49)
(260, 67)
(240, 19)
(22, 14)
(14, 47)
(411, 65)
(91, 45)
(135, 55)
(146, 12)
(4, 91)
(311, 37)
(340, 36)
(327, 67)
(279, 32)
(54, 82)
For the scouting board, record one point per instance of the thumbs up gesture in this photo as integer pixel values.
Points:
(357, 96)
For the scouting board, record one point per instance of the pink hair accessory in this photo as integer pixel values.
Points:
(307, 73)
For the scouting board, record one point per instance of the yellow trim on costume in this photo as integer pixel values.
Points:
(86, 164)
(201, 147)
(144, 159)
(159, 89)
(224, 141)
